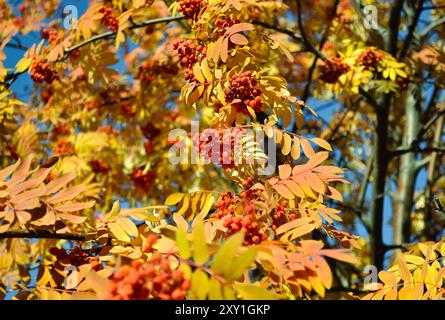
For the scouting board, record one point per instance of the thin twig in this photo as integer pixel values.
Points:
(31, 234)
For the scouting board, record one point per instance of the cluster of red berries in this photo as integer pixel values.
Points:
(109, 19)
(99, 166)
(76, 257)
(192, 8)
(50, 34)
(150, 131)
(63, 146)
(152, 69)
(127, 108)
(143, 180)
(242, 92)
(154, 279)
(42, 72)
(332, 70)
(74, 54)
(189, 53)
(218, 145)
(94, 104)
(370, 59)
(280, 217)
(222, 24)
(149, 242)
(225, 205)
(254, 232)
(60, 130)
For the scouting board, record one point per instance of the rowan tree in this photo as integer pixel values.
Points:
(349, 102)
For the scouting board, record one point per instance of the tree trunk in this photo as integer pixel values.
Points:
(407, 168)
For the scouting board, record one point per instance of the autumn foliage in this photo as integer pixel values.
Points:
(93, 207)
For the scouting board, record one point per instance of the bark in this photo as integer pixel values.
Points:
(407, 169)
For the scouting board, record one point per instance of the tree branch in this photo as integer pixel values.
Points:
(43, 235)
(432, 26)
(10, 78)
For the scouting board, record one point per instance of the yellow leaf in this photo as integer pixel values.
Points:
(200, 250)
(403, 268)
(207, 204)
(322, 143)
(174, 199)
(242, 262)
(215, 290)
(200, 284)
(239, 39)
(254, 292)
(198, 74)
(97, 283)
(23, 64)
(118, 232)
(287, 142)
(182, 244)
(205, 70)
(284, 171)
(225, 256)
(128, 226)
(295, 152)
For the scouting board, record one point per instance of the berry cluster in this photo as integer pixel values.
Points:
(50, 34)
(109, 19)
(332, 70)
(225, 205)
(222, 24)
(60, 130)
(42, 72)
(74, 54)
(218, 145)
(99, 166)
(242, 92)
(254, 232)
(154, 279)
(143, 180)
(189, 53)
(192, 8)
(76, 257)
(280, 217)
(94, 104)
(370, 59)
(151, 69)
(149, 242)
(63, 146)
(247, 183)
(127, 108)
